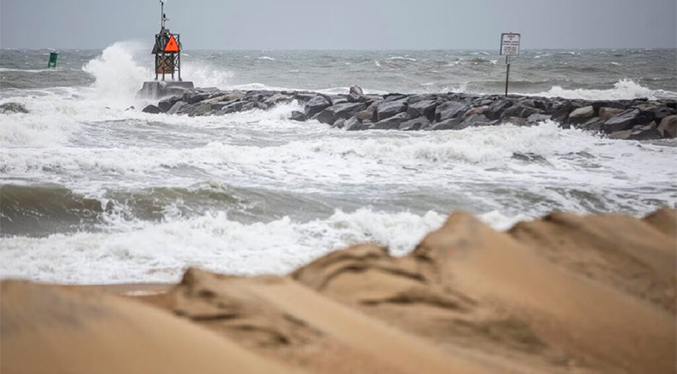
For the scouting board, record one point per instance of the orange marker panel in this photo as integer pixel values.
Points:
(172, 46)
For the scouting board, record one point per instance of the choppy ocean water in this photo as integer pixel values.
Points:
(93, 192)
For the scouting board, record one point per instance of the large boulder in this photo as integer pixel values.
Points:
(176, 107)
(192, 97)
(562, 110)
(496, 109)
(450, 110)
(536, 119)
(607, 113)
(392, 123)
(316, 105)
(368, 114)
(648, 132)
(354, 125)
(278, 98)
(356, 90)
(298, 116)
(237, 106)
(350, 123)
(221, 104)
(200, 109)
(662, 112)
(521, 111)
(668, 126)
(624, 121)
(450, 124)
(304, 97)
(477, 120)
(167, 104)
(583, 114)
(420, 123)
(422, 108)
(152, 109)
(390, 108)
(13, 108)
(340, 111)
(232, 95)
(598, 105)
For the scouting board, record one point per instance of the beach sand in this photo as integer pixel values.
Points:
(562, 294)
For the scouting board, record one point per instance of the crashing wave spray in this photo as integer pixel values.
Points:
(118, 77)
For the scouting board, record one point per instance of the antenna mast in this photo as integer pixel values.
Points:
(163, 18)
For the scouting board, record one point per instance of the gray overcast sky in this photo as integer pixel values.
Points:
(341, 24)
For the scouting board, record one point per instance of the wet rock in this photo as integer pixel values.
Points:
(233, 95)
(607, 113)
(176, 107)
(668, 126)
(621, 135)
(476, 120)
(217, 106)
(316, 105)
(152, 109)
(192, 97)
(350, 122)
(496, 109)
(340, 111)
(368, 114)
(536, 119)
(646, 132)
(261, 105)
(356, 90)
(357, 126)
(304, 97)
(598, 105)
(339, 124)
(516, 121)
(662, 112)
(475, 111)
(167, 104)
(420, 123)
(521, 111)
(388, 109)
(237, 106)
(200, 109)
(336, 100)
(533, 103)
(449, 124)
(562, 110)
(422, 108)
(278, 99)
(392, 123)
(394, 97)
(12, 107)
(583, 114)
(450, 110)
(298, 116)
(624, 121)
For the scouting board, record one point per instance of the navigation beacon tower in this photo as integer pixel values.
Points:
(167, 51)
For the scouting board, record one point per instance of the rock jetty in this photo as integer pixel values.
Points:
(638, 119)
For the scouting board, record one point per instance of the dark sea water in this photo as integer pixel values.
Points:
(94, 192)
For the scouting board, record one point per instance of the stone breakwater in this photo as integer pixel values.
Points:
(638, 119)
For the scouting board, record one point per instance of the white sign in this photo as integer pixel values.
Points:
(510, 44)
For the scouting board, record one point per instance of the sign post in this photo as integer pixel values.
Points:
(510, 46)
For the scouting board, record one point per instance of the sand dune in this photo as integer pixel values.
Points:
(563, 294)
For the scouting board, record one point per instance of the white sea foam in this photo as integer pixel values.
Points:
(159, 252)
(622, 90)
